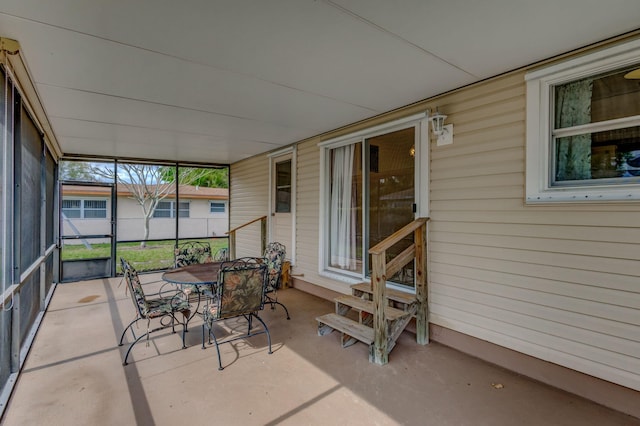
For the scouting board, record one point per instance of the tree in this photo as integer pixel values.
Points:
(208, 178)
(76, 171)
(148, 184)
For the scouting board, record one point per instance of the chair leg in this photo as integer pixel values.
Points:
(250, 321)
(215, 341)
(273, 302)
(184, 335)
(125, 331)
(131, 347)
(285, 309)
(266, 329)
(137, 339)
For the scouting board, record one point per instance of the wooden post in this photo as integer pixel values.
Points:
(232, 245)
(263, 234)
(379, 353)
(422, 290)
(285, 276)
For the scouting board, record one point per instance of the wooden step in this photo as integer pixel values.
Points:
(362, 305)
(391, 294)
(349, 327)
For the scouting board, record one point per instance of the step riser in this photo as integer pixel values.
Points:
(398, 313)
(400, 299)
(345, 303)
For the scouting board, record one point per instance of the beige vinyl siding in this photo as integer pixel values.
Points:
(249, 200)
(560, 283)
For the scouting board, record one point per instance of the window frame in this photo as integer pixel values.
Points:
(539, 143)
(421, 124)
(223, 203)
(82, 207)
(172, 210)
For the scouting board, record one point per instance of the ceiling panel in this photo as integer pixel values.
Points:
(122, 141)
(85, 106)
(489, 37)
(171, 80)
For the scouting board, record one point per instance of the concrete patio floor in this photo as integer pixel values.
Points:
(74, 376)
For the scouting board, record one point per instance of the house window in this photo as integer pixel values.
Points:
(84, 209)
(72, 209)
(167, 209)
(583, 129)
(369, 191)
(283, 187)
(217, 207)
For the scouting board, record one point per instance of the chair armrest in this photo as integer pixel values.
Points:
(170, 292)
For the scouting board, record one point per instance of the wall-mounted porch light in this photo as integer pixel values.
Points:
(444, 132)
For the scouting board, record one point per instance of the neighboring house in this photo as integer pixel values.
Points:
(86, 210)
(534, 260)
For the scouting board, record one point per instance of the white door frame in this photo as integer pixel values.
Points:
(273, 159)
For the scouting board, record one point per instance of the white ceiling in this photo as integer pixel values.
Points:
(219, 81)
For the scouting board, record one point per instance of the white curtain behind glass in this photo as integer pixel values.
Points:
(342, 213)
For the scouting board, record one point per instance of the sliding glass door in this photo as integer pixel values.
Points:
(391, 193)
(371, 185)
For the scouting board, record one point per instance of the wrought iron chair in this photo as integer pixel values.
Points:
(221, 255)
(188, 253)
(274, 256)
(191, 252)
(165, 307)
(240, 293)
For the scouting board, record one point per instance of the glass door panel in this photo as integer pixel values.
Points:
(86, 226)
(345, 210)
(391, 194)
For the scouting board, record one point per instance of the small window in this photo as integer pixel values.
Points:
(283, 187)
(164, 209)
(583, 129)
(84, 209)
(184, 209)
(217, 207)
(72, 209)
(167, 209)
(95, 209)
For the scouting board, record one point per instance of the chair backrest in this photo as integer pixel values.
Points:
(241, 285)
(221, 255)
(135, 287)
(191, 252)
(274, 256)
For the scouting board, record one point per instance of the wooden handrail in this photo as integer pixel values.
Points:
(381, 269)
(246, 224)
(263, 235)
(397, 236)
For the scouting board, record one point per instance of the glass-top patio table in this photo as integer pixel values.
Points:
(196, 275)
(192, 277)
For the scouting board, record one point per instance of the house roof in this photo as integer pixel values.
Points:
(216, 82)
(185, 191)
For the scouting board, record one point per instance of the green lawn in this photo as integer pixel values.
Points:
(156, 255)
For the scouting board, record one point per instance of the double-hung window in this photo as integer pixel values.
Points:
(167, 209)
(84, 208)
(583, 128)
(217, 207)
